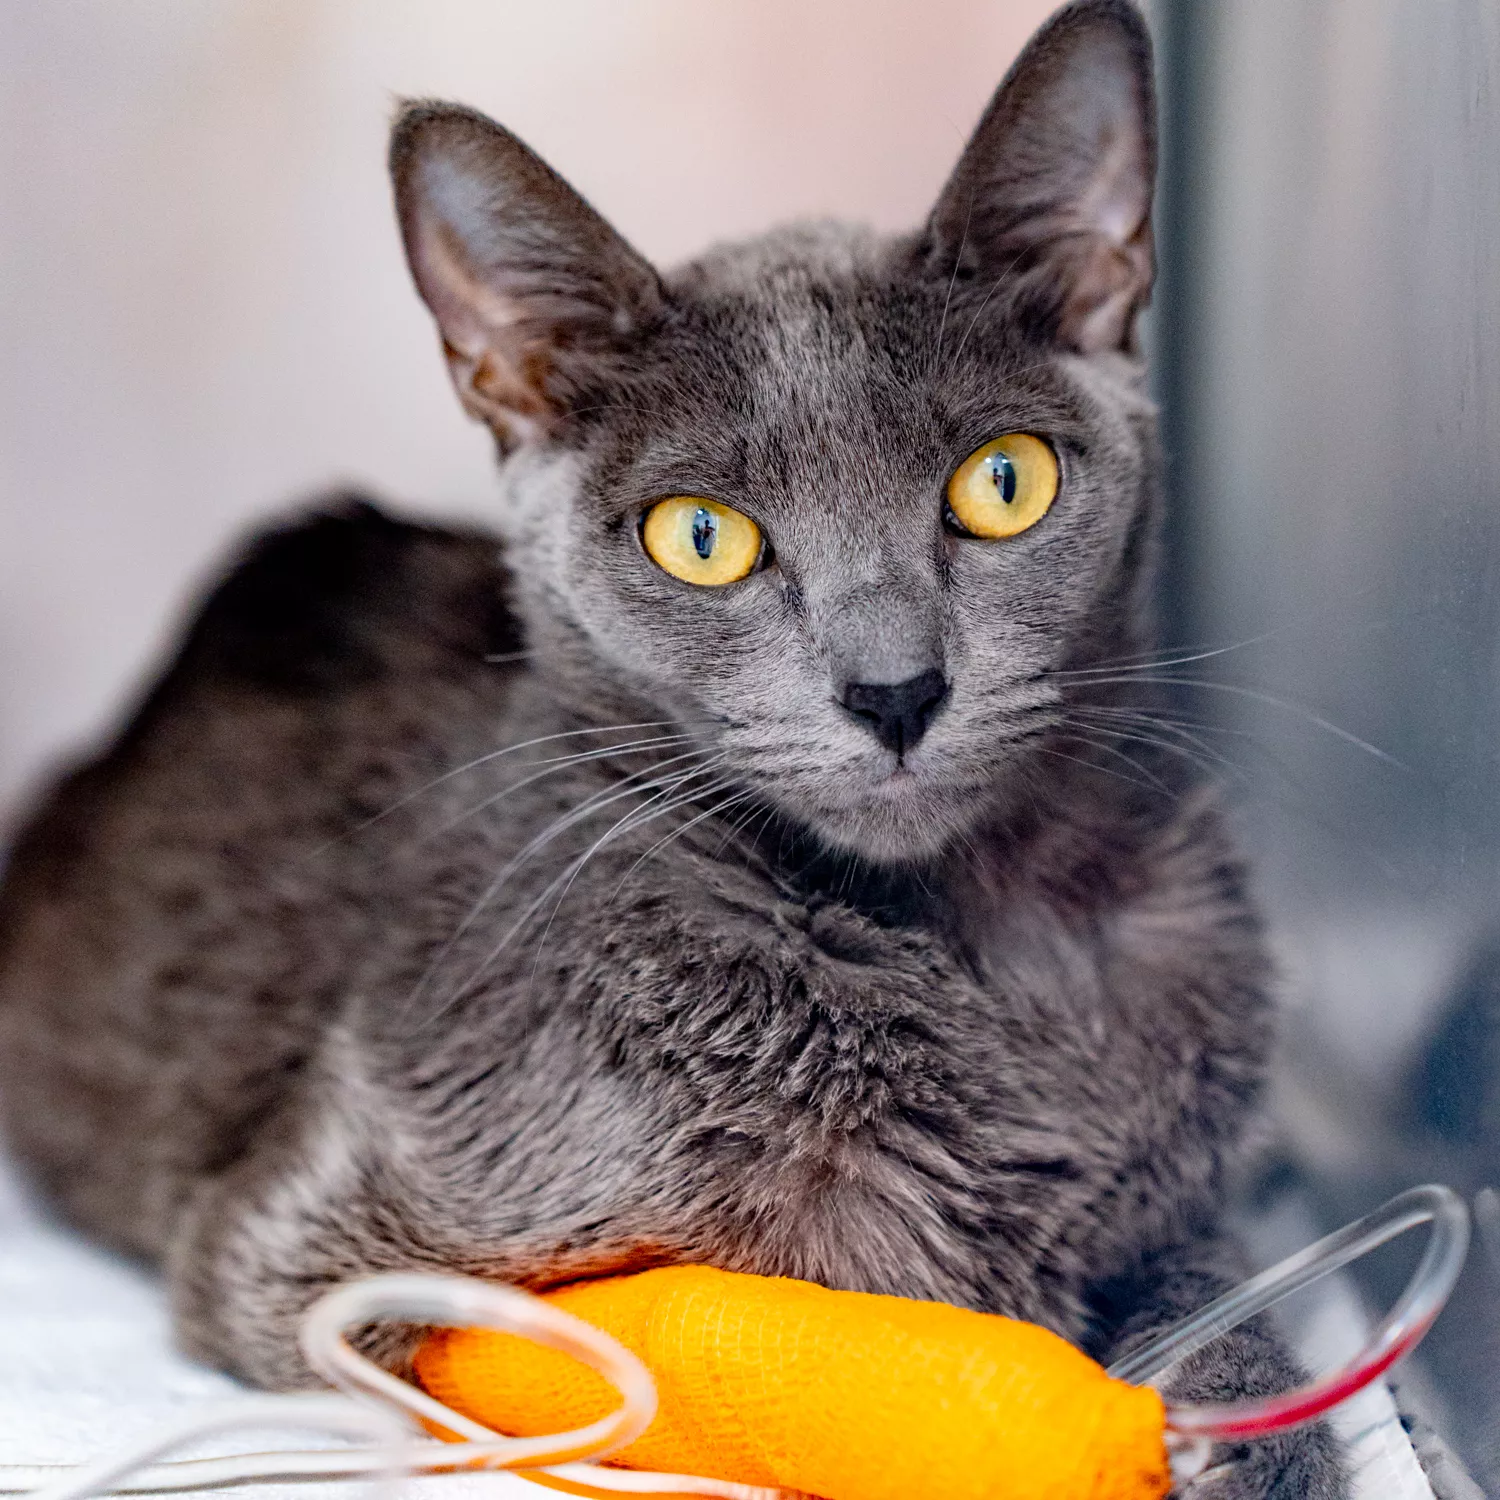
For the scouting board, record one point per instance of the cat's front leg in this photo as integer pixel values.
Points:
(1251, 1360)
(307, 1208)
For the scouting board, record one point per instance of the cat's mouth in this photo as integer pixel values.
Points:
(897, 781)
(891, 813)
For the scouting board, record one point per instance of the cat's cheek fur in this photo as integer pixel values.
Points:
(539, 488)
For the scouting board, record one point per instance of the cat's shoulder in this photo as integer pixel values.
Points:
(336, 638)
(343, 590)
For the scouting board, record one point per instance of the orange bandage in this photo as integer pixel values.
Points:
(845, 1395)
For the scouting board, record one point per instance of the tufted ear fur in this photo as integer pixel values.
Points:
(533, 292)
(1053, 192)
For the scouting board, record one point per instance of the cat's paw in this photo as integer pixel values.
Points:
(1301, 1465)
(1304, 1464)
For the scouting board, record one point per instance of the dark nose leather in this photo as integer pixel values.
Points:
(898, 712)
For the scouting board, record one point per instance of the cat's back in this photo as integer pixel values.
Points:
(179, 916)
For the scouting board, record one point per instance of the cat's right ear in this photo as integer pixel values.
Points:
(1051, 202)
(533, 292)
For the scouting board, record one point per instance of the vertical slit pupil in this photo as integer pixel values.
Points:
(1003, 472)
(705, 530)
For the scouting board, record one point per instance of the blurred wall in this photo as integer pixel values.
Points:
(203, 309)
(1329, 338)
(1332, 338)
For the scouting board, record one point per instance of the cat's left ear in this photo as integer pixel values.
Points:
(534, 293)
(1052, 197)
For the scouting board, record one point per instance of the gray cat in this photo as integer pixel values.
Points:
(755, 862)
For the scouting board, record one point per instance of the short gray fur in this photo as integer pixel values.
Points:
(301, 978)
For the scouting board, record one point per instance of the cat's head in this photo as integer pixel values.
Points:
(762, 495)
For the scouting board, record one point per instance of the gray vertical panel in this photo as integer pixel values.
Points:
(1330, 333)
(1341, 420)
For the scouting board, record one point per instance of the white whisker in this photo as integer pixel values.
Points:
(1090, 765)
(1146, 661)
(1259, 696)
(1204, 756)
(555, 765)
(665, 787)
(627, 824)
(474, 764)
(677, 833)
(626, 786)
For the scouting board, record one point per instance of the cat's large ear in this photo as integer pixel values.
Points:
(533, 292)
(1053, 192)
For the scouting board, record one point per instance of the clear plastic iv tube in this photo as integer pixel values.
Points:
(1398, 1333)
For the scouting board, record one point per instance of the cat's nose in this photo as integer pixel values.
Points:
(898, 712)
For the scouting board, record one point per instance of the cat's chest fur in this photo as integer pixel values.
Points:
(734, 1072)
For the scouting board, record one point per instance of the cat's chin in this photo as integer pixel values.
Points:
(899, 820)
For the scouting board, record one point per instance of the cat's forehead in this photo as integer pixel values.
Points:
(834, 318)
(794, 261)
(820, 346)
(790, 323)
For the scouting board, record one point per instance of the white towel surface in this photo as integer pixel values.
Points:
(87, 1367)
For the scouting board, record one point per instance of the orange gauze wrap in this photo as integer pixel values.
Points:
(844, 1395)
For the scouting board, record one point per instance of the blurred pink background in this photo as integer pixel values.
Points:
(203, 309)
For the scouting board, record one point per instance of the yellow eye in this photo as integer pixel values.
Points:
(701, 541)
(1005, 486)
